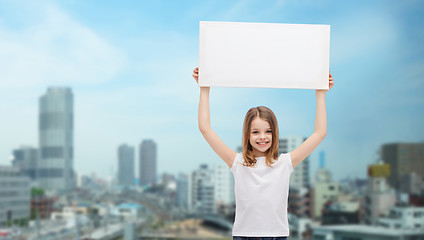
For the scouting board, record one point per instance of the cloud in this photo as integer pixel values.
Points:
(53, 48)
(359, 33)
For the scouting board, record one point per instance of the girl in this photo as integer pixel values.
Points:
(261, 177)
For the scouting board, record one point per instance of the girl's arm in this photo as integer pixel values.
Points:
(223, 151)
(307, 147)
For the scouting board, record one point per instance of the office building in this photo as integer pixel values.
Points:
(25, 159)
(403, 158)
(126, 168)
(14, 195)
(148, 162)
(56, 165)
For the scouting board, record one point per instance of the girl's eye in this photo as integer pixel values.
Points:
(269, 131)
(255, 132)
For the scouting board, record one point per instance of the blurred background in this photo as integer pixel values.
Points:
(99, 135)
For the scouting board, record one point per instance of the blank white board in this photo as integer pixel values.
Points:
(265, 55)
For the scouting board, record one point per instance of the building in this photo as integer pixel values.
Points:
(403, 158)
(324, 190)
(364, 232)
(379, 197)
(202, 189)
(300, 228)
(300, 177)
(299, 202)
(128, 211)
(412, 183)
(183, 191)
(223, 184)
(14, 195)
(126, 165)
(223, 189)
(25, 158)
(148, 162)
(404, 218)
(345, 210)
(56, 127)
(44, 205)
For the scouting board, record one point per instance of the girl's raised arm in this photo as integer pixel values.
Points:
(307, 147)
(223, 151)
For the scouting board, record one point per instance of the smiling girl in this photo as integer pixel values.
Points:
(261, 177)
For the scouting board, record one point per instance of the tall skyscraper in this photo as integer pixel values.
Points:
(25, 159)
(56, 128)
(147, 162)
(126, 165)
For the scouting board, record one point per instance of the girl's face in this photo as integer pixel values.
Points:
(260, 136)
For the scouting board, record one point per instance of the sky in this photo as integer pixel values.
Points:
(129, 64)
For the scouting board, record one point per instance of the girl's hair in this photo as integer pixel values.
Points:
(272, 153)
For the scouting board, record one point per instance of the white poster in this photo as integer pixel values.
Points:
(265, 55)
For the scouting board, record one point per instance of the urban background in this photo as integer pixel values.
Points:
(99, 135)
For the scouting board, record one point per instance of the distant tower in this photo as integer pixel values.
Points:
(125, 165)
(147, 162)
(56, 165)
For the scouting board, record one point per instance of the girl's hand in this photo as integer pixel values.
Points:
(196, 74)
(331, 82)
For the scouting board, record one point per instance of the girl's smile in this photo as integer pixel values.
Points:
(260, 136)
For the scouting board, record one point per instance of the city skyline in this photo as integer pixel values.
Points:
(131, 78)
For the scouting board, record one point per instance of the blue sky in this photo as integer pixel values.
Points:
(129, 65)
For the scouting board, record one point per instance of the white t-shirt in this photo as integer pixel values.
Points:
(261, 197)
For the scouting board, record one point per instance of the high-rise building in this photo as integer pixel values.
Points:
(56, 165)
(147, 162)
(403, 158)
(300, 177)
(25, 159)
(126, 165)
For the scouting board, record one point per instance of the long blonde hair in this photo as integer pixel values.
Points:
(272, 153)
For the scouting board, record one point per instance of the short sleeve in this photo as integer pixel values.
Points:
(286, 161)
(233, 167)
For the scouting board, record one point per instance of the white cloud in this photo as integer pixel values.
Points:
(53, 48)
(359, 33)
